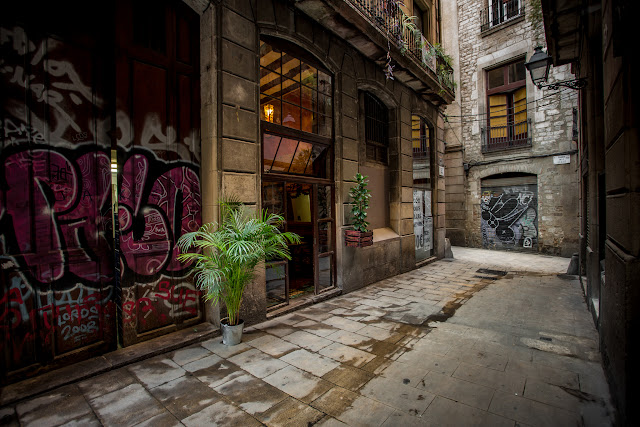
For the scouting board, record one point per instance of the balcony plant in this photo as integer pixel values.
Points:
(360, 236)
(227, 255)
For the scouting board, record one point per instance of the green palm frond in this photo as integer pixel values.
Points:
(228, 252)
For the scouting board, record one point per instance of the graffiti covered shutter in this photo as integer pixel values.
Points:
(56, 245)
(157, 116)
(67, 99)
(509, 213)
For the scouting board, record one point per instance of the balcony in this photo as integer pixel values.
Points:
(374, 27)
(391, 20)
(500, 12)
(502, 138)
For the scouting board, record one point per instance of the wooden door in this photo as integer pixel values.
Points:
(157, 115)
(324, 247)
(56, 247)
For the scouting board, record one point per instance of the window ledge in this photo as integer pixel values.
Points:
(502, 25)
(507, 150)
(380, 234)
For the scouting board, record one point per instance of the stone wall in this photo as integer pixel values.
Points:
(238, 154)
(551, 114)
(620, 292)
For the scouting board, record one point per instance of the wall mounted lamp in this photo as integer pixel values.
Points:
(538, 67)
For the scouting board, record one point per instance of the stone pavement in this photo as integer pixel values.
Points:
(460, 342)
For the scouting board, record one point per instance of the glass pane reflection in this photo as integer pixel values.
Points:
(300, 92)
(324, 201)
(309, 75)
(269, 150)
(284, 155)
(324, 82)
(325, 276)
(301, 158)
(290, 116)
(287, 155)
(272, 197)
(270, 57)
(276, 274)
(324, 237)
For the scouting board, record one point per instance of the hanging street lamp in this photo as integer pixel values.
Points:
(538, 67)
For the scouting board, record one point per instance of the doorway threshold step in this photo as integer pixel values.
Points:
(30, 387)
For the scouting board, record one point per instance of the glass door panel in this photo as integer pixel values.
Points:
(325, 240)
(308, 212)
(298, 200)
(277, 283)
(325, 272)
(325, 236)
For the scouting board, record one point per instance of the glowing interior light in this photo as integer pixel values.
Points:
(268, 112)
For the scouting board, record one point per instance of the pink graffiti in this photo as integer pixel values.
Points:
(63, 218)
(180, 299)
(167, 208)
(80, 321)
(62, 214)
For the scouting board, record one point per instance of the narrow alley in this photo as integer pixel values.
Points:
(487, 338)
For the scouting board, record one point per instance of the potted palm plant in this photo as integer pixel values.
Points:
(360, 236)
(227, 255)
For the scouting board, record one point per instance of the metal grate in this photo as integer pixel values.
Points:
(500, 11)
(387, 16)
(498, 138)
(376, 128)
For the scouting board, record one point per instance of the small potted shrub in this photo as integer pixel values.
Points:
(360, 236)
(227, 255)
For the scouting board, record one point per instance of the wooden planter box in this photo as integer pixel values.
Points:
(358, 239)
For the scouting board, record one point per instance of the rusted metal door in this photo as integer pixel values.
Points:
(157, 116)
(56, 252)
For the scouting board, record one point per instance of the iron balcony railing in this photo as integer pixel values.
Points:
(513, 135)
(387, 16)
(420, 148)
(500, 11)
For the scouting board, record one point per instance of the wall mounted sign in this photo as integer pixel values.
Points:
(565, 159)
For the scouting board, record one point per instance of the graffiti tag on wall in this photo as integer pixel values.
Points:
(509, 217)
(57, 251)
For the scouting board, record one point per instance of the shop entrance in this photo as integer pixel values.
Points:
(306, 208)
(296, 112)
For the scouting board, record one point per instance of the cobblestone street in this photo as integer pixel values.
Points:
(488, 338)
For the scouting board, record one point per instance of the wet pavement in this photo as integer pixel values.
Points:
(489, 338)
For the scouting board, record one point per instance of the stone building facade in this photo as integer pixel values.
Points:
(121, 135)
(598, 39)
(511, 155)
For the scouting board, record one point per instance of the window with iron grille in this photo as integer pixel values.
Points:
(376, 129)
(507, 123)
(500, 11)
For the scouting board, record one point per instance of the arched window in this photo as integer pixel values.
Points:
(376, 119)
(296, 110)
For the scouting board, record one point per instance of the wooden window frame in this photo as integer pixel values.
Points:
(513, 138)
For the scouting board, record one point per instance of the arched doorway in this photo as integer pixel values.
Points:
(296, 109)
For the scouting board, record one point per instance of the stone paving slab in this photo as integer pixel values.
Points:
(472, 341)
